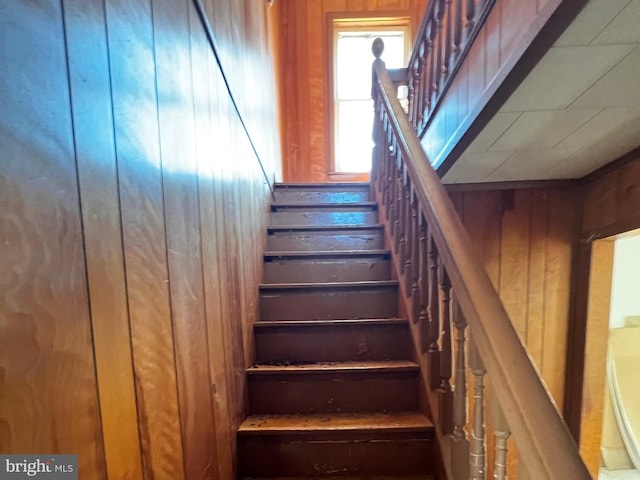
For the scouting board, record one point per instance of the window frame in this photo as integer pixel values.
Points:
(348, 22)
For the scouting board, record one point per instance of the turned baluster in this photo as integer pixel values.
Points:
(448, 39)
(420, 85)
(460, 392)
(387, 167)
(471, 18)
(377, 140)
(404, 217)
(426, 76)
(438, 52)
(408, 264)
(446, 359)
(501, 432)
(399, 195)
(459, 444)
(415, 259)
(424, 285)
(392, 186)
(457, 35)
(412, 87)
(434, 316)
(478, 447)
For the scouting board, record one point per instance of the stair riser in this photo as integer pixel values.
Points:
(326, 304)
(326, 270)
(323, 218)
(333, 392)
(325, 241)
(355, 195)
(300, 344)
(276, 456)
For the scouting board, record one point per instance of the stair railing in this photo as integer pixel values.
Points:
(463, 327)
(446, 34)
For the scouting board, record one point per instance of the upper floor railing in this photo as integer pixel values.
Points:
(449, 297)
(446, 33)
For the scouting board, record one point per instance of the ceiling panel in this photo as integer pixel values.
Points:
(591, 22)
(533, 130)
(494, 129)
(552, 85)
(623, 28)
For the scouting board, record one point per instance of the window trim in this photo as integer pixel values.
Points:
(353, 21)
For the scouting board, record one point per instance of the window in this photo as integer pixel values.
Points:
(352, 104)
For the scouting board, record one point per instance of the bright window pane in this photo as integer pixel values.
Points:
(353, 142)
(354, 108)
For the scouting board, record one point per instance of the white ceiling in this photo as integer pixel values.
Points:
(577, 110)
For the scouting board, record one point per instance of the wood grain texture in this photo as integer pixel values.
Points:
(98, 181)
(525, 239)
(305, 49)
(131, 231)
(48, 383)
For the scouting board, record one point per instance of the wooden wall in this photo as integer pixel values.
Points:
(525, 239)
(305, 76)
(131, 225)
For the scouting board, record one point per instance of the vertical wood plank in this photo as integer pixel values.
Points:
(138, 153)
(98, 181)
(48, 383)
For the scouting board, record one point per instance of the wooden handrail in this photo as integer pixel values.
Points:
(546, 447)
(446, 33)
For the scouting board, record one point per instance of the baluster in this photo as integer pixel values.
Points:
(387, 168)
(434, 316)
(460, 392)
(397, 209)
(438, 52)
(478, 447)
(377, 139)
(424, 285)
(408, 264)
(412, 89)
(404, 204)
(426, 82)
(420, 84)
(392, 186)
(433, 63)
(457, 35)
(460, 445)
(415, 259)
(446, 359)
(448, 27)
(471, 18)
(501, 432)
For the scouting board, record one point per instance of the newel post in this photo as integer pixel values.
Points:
(377, 48)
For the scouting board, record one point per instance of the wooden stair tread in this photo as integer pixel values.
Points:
(320, 228)
(322, 185)
(327, 253)
(323, 422)
(319, 205)
(326, 323)
(328, 285)
(336, 367)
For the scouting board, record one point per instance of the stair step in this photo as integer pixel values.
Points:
(358, 423)
(361, 213)
(382, 446)
(322, 192)
(332, 340)
(333, 237)
(345, 266)
(343, 387)
(323, 301)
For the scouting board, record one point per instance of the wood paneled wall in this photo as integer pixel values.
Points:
(305, 76)
(131, 228)
(525, 239)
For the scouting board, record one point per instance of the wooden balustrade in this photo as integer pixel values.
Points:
(450, 298)
(447, 31)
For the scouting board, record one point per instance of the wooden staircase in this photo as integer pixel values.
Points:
(334, 391)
